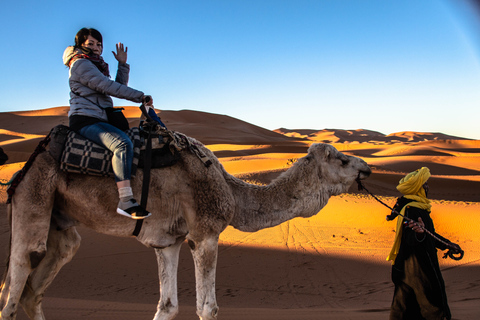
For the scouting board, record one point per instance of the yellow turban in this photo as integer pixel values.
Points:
(411, 186)
(413, 182)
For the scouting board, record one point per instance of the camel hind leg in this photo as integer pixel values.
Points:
(5, 283)
(61, 247)
(30, 223)
(29, 235)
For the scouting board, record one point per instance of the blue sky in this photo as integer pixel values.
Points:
(381, 65)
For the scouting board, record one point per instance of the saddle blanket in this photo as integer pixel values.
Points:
(81, 155)
(78, 155)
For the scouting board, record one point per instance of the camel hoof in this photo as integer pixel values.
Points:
(215, 312)
(212, 316)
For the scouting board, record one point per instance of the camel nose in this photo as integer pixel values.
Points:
(365, 173)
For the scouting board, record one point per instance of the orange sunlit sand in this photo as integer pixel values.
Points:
(329, 266)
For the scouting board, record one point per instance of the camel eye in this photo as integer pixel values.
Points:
(344, 161)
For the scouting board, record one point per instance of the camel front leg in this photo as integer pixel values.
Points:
(205, 258)
(167, 260)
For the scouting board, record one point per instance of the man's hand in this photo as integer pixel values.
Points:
(121, 54)
(455, 248)
(417, 226)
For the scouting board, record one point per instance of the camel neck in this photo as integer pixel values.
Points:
(259, 207)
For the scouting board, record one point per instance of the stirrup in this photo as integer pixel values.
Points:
(135, 212)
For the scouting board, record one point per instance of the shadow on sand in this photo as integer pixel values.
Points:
(116, 278)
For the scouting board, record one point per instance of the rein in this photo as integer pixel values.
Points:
(146, 176)
(452, 248)
(148, 127)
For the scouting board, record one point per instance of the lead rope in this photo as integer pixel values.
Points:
(452, 248)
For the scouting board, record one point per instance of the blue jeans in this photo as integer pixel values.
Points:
(115, 140)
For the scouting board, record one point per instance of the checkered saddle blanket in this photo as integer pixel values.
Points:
(77, 154)
(81, 155)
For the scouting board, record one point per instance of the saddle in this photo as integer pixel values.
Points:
(77, 154)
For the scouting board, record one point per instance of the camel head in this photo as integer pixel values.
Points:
(336, 169)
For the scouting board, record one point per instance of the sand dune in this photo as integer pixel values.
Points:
(362, 135)
(420, 136)
(330, 266)
(334, 135)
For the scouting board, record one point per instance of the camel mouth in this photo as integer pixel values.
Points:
(362, 175)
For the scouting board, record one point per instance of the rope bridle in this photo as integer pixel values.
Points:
(452, 247)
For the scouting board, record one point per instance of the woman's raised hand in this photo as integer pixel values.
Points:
(121, 54)
(147, 100)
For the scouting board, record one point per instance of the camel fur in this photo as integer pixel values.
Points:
(188, 201)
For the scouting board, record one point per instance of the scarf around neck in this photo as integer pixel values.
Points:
(412, 188)
(86, 53)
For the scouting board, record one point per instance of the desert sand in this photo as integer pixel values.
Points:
(329, 266)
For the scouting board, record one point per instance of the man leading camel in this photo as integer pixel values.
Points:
(419, 286)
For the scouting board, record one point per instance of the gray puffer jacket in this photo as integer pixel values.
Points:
(89, 86)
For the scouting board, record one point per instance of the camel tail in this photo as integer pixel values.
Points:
(7, 262)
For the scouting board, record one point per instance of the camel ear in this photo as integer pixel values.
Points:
(345, 160)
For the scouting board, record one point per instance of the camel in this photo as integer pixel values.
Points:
(188, 201)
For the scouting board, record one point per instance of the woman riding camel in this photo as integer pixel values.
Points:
(90, 91)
